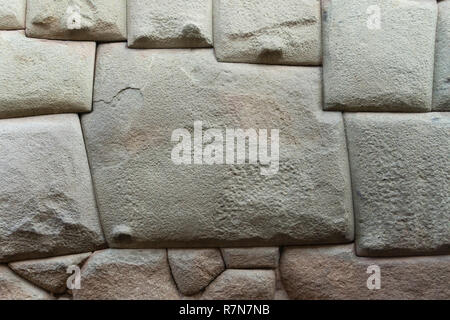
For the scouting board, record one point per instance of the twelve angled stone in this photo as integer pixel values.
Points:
(242, 285)
(401, 175)
(194, 269)
(47, 204)
(267, 31)
(145, 199)
(127, 274)
(441, 94)
(378, 54)
(336, 273)
(12, 287)
(50, 274)
(99, 20)
(251, 258)
(42, 77)
(12, 14)
(169, 24)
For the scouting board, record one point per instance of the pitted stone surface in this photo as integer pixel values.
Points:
(386, 69)
(43, 77)
(12, 14)
(49, 274)
(242, 285)
(441, 93)
(266, 31)
(335, 273)
(12, 287)
(400, 174)
(146, 200)
(47, 205)
(194, 269)
(251, 258)
(99, 20)
(169, 24)
(127, 274)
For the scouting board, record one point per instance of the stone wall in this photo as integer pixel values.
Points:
(93, 207)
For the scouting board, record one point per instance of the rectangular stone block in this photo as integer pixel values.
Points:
(266, 31)
(169, 24)
(12, 14)
(47, 204)
(144, 98)
(400, 178)
(99, 20)
(378, 54)
(43, 77)
(251, 258)
(336, 273)
(441, 93)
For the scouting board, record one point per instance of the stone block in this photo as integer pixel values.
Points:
(99, 20)
(146, 199)
(47, 203)
(400, 177)
(169, 24)
(378, 55)
(266, 31)
(43, 77)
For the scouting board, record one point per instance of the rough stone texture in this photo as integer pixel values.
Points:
(42, 77)
(146, 200)
(251, 258)
(336, 273)
(12, 287)
(47, 205)
(441, 94)
(99, 20)
(12, 14)
(387, 69)
(49, 274)
(127, 274)
(267, 31)
(400, 173)
(194, 269)
(169, 24)
(242, 285)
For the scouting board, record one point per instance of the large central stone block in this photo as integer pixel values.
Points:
(146, 200)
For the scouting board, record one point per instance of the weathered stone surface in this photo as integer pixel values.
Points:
(194, 269)
(127, 274)
(169, 24)
(334, 272)
(235, 284)
(12, 14)
(441, 93)
(49, 274)
(12, 287)
(385, 69)
(266, 31)
(42, 77)
(251, 258)
(99, 20)
(47, 205)
(144, 199)
(400, 174)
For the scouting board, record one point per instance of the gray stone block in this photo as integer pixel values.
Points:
(378, 67)
(400, 174)
(146, 200)
(266, 31)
